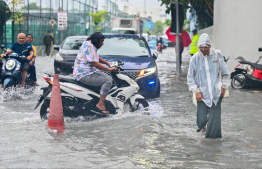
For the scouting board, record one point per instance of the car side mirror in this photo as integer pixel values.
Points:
(260, 49)
(155, 55)
(56, 48)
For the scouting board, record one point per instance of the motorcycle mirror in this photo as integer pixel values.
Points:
(260, 49)
(2, 46)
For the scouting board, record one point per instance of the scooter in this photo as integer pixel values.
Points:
(11, 72)
(79, 99)
(247, 73)
(159, 47)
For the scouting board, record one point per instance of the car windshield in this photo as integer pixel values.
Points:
(124, 47)
(72, 44)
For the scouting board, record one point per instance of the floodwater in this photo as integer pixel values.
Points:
(166, 138)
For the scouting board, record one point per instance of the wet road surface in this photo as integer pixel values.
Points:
(165, 139)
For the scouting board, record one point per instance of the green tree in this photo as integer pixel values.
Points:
(203, 8)
(167, 22)
(158, 28)
(17, 10)
(97, 18)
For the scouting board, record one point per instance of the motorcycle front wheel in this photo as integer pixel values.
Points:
(238, 81)
(139, 105)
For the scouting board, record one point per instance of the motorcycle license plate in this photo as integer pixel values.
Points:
(8, 73)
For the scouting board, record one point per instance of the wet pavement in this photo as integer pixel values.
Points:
(167, 138)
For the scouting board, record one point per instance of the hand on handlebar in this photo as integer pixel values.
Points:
(114, 69)
(3, 55)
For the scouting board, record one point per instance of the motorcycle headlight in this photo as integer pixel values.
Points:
(10, 64)
(58, 57)
(148, 71)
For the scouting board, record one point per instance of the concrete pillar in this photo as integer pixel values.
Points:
(237, 29)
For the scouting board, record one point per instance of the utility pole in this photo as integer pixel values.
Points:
(178, 66)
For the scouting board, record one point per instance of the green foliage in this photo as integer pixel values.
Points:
(158, 28)
(168, 22)
(97, 18)
(202, 8)
(16, 9)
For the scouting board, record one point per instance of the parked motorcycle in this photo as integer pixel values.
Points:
(79, 99)
(247, 73)
(11, 73)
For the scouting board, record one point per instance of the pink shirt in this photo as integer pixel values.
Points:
(86, 55)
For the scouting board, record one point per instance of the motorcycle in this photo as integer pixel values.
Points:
(246, 73)
(11, 73)
(79, 99)
(159, 47)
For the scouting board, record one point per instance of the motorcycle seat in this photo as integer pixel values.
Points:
(93, 88)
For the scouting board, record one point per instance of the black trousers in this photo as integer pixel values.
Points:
(47, 49)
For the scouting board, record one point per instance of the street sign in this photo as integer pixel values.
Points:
(52, 22)
(62, 20)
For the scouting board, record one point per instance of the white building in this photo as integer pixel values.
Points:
(149, 12)
(237, 29)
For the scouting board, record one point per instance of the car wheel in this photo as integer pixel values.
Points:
(157, 93)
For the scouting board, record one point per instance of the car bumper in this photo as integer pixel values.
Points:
(148, 85)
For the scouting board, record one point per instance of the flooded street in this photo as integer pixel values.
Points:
(166, 138)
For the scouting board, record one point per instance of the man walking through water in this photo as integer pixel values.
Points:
(204, 80)
(48, 39)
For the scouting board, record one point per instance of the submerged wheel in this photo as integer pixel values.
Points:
(157, 94)
(139, 105)
(69, 108)
(44, 110)
(238, 81)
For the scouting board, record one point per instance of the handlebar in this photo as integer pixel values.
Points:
(119, 64)
(15, 54)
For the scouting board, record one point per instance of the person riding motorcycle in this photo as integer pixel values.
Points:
(160, 42)
(18, 47)
(86, 68)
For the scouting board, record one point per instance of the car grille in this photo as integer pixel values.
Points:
(132, 75)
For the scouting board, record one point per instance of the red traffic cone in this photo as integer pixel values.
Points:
(56, 116)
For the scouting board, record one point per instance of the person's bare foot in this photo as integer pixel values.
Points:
(203, 129)
(102, 108)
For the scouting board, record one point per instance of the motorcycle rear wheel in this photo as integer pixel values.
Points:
(235, 82)
(69, 108)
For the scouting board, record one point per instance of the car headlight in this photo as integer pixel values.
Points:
(58, 57)
(10, 64)
(146, 72)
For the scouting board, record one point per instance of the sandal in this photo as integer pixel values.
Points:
(99, 112)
